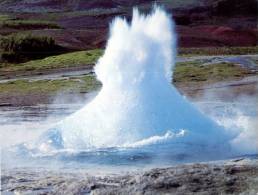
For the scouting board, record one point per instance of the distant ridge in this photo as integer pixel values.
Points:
(64, 5)
(217, 7)
(84, 23)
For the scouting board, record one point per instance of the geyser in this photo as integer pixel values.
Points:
(137, 104)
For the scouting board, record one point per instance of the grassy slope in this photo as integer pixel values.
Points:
(187, 72)
(77, 85)
(73, 59)
(26, 24)
(76, 59)
(4, 17)
(11, 21)
(207, 51)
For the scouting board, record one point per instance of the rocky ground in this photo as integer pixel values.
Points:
(239, 176)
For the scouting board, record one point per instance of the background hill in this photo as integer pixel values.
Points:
(81, 24)
(75, 5)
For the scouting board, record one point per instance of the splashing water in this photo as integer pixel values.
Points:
(137, 100)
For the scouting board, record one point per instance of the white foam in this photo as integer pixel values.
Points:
(155, 139)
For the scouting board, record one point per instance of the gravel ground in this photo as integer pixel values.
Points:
(239, 176)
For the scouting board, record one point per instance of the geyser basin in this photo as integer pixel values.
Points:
(137, 105)
(138, 117)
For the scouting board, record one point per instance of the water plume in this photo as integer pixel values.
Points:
(137, 101)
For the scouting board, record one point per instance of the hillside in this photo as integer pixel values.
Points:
(84, 24)
(75, 5)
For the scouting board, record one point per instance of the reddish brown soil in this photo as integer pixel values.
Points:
(207, 36)
(202, 25)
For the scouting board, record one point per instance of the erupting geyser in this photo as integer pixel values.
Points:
(137, 104)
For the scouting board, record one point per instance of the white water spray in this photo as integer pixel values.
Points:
(137, 103)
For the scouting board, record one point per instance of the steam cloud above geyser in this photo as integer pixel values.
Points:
(137, 104)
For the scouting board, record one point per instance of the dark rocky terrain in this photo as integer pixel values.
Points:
(228, 177)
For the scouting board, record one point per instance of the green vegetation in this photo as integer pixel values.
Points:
(82, 58)
(65, 60)
(75, 84)
(28, 24)
(4, 17)
(76, 59)
(22, 47)
(11, 21)
(196, 72)
(207, 51)
(186, 72)
(54, 62)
